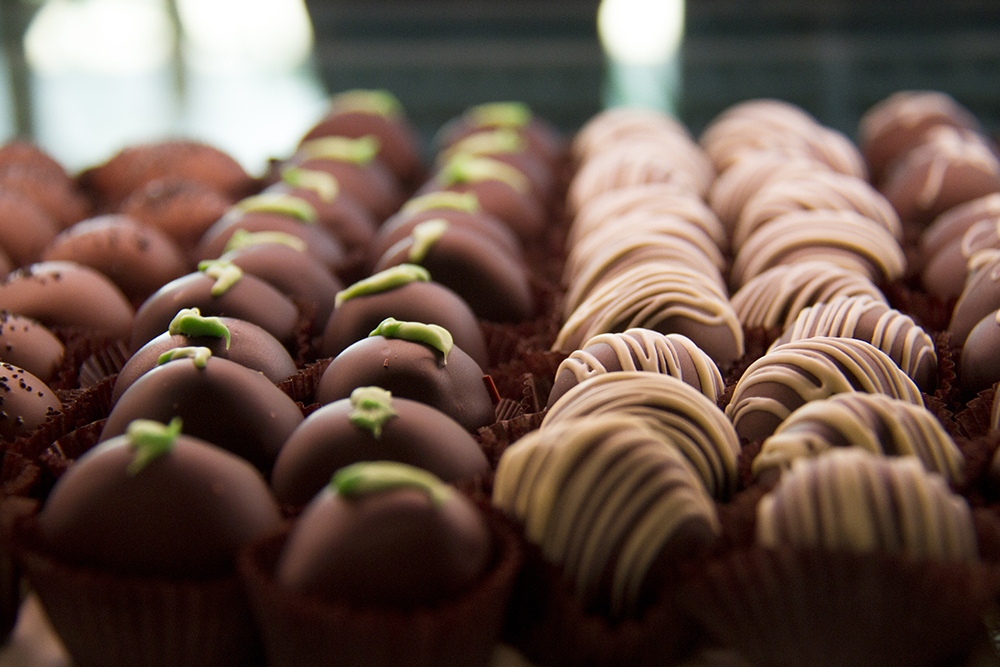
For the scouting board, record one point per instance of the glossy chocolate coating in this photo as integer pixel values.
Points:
(411, 370)
(494, 284)
(182, 209)
(417, 434)
(138, 258)
(224, 403)
(978, 367)
(249, 346)
(25, 229)
(68, 294)
(25, 402)
(250, 299)
(372, 184)
(185, 514)
(980, 296)
(396, 548)
(420, 301)
(345, 217)
(542, 137)
(27, 344)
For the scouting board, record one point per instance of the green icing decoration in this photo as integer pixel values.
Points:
(225, 273)
(465, 168)
(150, 440)
(429, 334)
(190, 322)
(357, 480)
(274, 202)
(424, 236)
(323, 184)
(358, 151)
(503, 114)
(199, 355)
(372, 408)
(242, 238)
(383, 281)
(379, 102)
(456, 201)
(502, 140)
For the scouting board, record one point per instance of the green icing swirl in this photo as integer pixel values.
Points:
(371, 409)
(358, 151)
(455, 201)
(432, 335)
(383, 281)
(379, 102)
(274, 202)
(190, 322)
(150, 440)
(242, 238)
(424, 236)
(198, 354)
(465, 168)
(325, 185)
(225, 273)
(502, 140)
(358, 480)
(503, 114)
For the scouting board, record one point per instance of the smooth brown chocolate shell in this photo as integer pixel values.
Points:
(25, 402)
(182, 209)
(224, 403)
(353, 224)
(416, 434)
(520, 211)
(411, 370)
(25, 228)
(250, 299)
(373, 185)
(28, 344)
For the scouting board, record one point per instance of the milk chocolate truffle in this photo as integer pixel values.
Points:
(386, 534)
(494, 284)
(878, 424)
(33, 173)
(226, 337)
(218, 400)
(25, 229)
(980, 296)
(416, 361)
(681, 415)
(872, 321)
(61, 293)
(28, 344)
(273, 212)
(945, 250)
(156, 502)
(221, 289)
(373, 425)
(501, 189)
(795, 373)
(543, 139)
(134, 166)
(25, 402)
(361, 113)
(510, 147)
(977, 366)
(139, 259)
(460, 209)
(358, 170)
(639, 350)
(610, 504)
(337, 211)
(181, 209)
(405, 292)
(614, 123)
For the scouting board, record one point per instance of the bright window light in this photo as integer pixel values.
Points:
(641, 32)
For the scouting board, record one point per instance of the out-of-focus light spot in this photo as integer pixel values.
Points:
(641, 32)
(240, 35)
(99, 37)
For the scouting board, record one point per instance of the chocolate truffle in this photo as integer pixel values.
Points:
(25, 229)
(614, 123)
(405, 292)
(28, 344)
(511, 147)
(948, 243)
(68, 294)
(218, 400)
(639, 350)
(155, 502)
(977, 366)
(682, 416)
(980, 296)
(181, 209)
(221, 289)
(494, 284)
(25, 402)
(543, 139)
(373, 425)
(228, 338)
(611, 505)
(386, 534)
(416, 361)
(139, 259)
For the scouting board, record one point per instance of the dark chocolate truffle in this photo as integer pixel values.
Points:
(373, 425)
(416, 361)
(25, 229)
(25, 402)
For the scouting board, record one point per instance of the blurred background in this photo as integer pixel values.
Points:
(83, 78)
